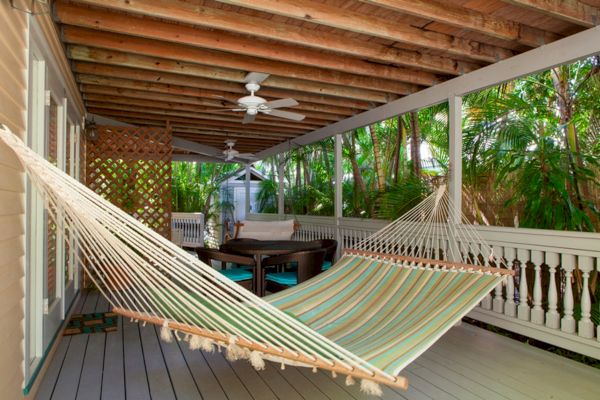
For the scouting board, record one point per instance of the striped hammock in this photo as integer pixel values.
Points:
(382, 305)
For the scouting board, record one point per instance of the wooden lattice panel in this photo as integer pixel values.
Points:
(131, 167)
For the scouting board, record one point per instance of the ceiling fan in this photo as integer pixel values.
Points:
(230, 153)
(252, 104)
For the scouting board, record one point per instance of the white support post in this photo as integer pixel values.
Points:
(455, 171)
(247, 187)
(339, 176)
(455, 153)
(280, 186)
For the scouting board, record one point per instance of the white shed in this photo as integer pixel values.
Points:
(233, 194)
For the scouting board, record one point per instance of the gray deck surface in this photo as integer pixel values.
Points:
(467, 363)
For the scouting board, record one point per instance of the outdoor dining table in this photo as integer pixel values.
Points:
(260, 248)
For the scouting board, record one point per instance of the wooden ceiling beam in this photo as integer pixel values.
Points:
(154, 102)
(330, 15)
(572, 11)
(201, 126)
(225, 135)
(159, 96)
(464, 18)
(261, 119)
(220, 140)
(194, 14)
(189, 85)
(195, 55)
(195, 118)
(71, 14)
(233, 123)
(111, 57)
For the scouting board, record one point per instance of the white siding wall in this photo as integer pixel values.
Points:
(13, 105)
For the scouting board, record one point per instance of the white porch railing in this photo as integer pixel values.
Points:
(192, 226)
(549, 299)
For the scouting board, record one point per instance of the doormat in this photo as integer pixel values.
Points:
(91, 323)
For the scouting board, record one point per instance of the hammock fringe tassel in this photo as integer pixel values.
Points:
(350, 380)
(165, 332)
(369, 387)
(257, 360)
(235, 352)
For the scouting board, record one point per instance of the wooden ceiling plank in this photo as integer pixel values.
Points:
(158, 95)
(572, 11)
(182, 11)
(160, 103)
(90, 54)
(233, 117)
(201, 125)
(127, 103)
(192, 116)
(71, 14)
(188, 54)
(189, 85)
(473, 20)
(353, 21)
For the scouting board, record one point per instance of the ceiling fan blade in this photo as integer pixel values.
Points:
(256, 77)
(285, 114)
(281, 103)
(248, 156)
(248, 118)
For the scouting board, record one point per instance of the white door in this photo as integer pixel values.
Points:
(45, 243)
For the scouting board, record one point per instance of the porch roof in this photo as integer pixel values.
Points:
(147, 63)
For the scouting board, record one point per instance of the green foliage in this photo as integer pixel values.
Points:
(195, 187)
(400, 198)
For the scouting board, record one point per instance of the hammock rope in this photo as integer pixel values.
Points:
(147, 278)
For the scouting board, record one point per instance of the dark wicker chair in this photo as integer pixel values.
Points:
(330, 246)
(309, 265)
(243, 274)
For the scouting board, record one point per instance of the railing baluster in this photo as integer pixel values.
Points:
(510, 307)
(567, 323)
(537, 313)
(523, 310)
(486, 303)
(586, 326)
(552, 315)
(498, 303)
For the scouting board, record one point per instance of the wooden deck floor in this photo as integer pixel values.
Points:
(467, 363)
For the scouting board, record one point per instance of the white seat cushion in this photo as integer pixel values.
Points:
(267, 230)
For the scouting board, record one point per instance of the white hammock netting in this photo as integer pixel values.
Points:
(403, 295)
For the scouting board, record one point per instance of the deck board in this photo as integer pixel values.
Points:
(467, 363)
(179, 372)
(136, 381)
(113, 379)
(90, 383)
(208, 384)
(156, 371)
(67, 383)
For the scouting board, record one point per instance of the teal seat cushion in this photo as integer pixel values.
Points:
(326, 265)
(283, 278)
(237, 274)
